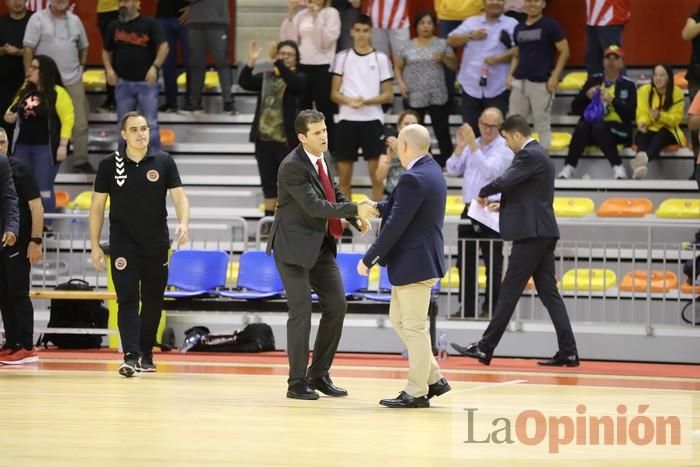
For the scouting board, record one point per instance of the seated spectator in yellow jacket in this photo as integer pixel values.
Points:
(660, 107)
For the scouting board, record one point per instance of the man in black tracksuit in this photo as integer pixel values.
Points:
(137, 183)
(15, 266)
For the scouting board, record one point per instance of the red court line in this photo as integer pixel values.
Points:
(378, 372)
(389, 360)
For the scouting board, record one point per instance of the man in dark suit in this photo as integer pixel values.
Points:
(411, 246)
(527, 219)
(303, 238)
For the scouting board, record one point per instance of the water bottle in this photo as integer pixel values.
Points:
(483, 75)
(442, 345)
(190, 342)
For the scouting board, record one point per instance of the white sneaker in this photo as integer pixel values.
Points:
(619, 172)
(567, 172)
(639, 165)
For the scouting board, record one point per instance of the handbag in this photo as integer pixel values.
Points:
(595, 110)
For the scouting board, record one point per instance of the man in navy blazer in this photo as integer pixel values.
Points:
(527, 219)
(411, 246)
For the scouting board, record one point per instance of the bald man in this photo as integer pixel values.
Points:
(411, 246)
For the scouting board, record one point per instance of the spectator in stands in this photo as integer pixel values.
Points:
(450, 14)
(532, 78)
(516, 10)
(135, 49)
(43, 116)
(389, 168)
(12, 27)
(349, 10)
(209, 26)
(172, 16)
(316, 29)
(421, 77)
(488, 41)
(479, 161)
(107, 11)
(280, 100)
(389, 25)
(694, 126)
(619, 98)
(362, 82)
(15, 266)
(605, 21)
(59, 34)
(660, 106)
(137, 182)
(691, 32)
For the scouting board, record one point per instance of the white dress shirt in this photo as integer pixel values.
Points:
(480, 167)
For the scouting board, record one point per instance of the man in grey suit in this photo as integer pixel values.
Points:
(527, 219)
(303, 238)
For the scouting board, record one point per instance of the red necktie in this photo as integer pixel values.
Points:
(335, 228)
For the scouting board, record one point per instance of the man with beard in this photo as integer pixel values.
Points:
(134, 51)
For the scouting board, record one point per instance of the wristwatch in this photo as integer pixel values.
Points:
(36, 240)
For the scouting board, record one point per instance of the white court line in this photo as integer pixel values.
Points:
(488, 386)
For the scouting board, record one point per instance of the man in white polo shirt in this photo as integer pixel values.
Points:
(362, 82)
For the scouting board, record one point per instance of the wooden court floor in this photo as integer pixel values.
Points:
(209, 410)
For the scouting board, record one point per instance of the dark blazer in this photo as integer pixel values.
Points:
(527, 188)
(302, 210)
(624, 102)
(410, 242)
(9, 208)
(291, 102)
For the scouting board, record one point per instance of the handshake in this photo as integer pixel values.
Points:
(366, 209)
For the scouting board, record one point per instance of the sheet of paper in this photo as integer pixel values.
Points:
(483, 215)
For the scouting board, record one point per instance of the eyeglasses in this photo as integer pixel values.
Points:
(487, 126)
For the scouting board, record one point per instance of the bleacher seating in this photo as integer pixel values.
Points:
(195, 273)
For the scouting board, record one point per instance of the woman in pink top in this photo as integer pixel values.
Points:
(316, 29)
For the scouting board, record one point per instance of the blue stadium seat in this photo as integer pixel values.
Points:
(354, 284)
(194, 273)
(257, 278)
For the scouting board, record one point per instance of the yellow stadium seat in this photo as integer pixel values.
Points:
(62, 198)
(573, 81)
(83, 201)
(560, 140)
(94, 79)
(573, 207)
(167, 136)
(452, 278)
(454, 205)
(638, 281)
(357, 197)
(588, 279)
(679, 208)
(374, 277)
(626, 207)
(232, 273)
(211, 81)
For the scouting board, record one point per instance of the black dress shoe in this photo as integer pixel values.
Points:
(438, 388)
(301, 391)
(474, 351)
(406, 401)
(326, 386)
(561, 359)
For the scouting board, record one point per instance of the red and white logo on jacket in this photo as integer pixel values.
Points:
(607, 12)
